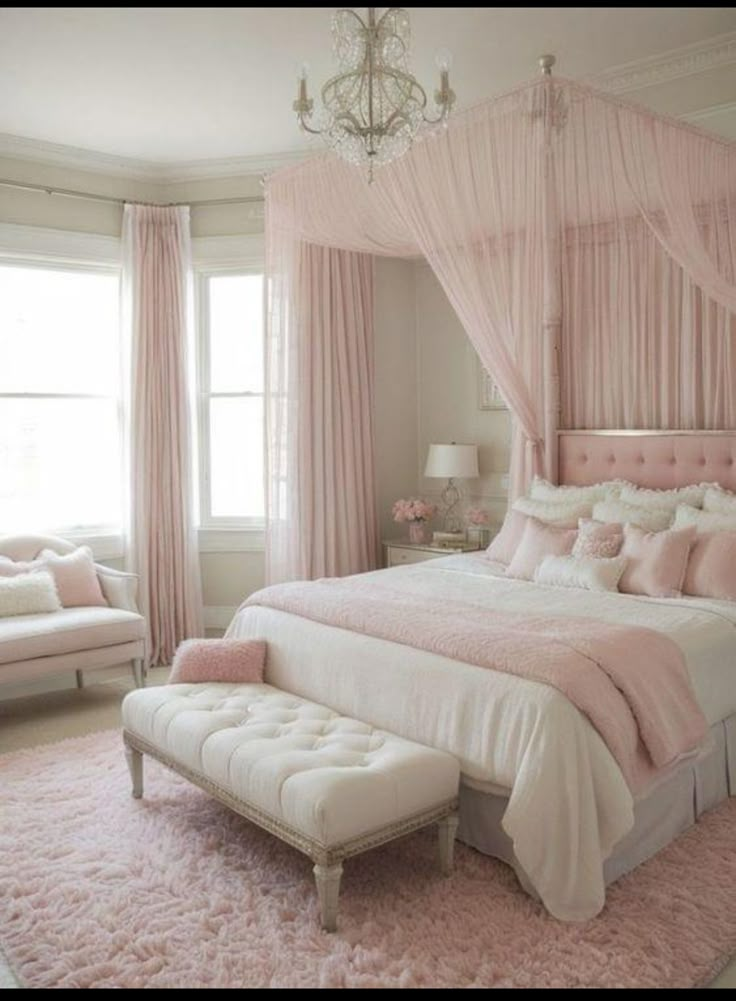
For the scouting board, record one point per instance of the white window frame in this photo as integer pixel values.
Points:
(210, 525)
(105, 540)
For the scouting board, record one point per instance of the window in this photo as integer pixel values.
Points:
(230, 377)
(60, 405)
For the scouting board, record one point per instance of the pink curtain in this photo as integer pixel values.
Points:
(321, 486)
(162, 545)
(569, 231)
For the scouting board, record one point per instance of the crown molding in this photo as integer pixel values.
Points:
(713, 111)
(90, 161)
(671, 65)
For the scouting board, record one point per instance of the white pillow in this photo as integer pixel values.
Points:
(718, 499)
(565, 514)
(581, 571)
(663, 500)
(28, 594)
(651, 519)
(704, 521)
(545, 491)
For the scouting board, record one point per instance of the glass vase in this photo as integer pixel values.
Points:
(418, 532)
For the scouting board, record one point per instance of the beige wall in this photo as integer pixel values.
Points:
(447, 379)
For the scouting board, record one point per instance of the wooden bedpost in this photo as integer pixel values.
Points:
(552, 276)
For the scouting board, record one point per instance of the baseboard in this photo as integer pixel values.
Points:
(218, 616)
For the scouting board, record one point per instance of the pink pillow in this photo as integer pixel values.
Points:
(656, 561)
(75, 577)
(711, 569)
(598, 539)
(504, 545)
(237, 661)
(539, 540)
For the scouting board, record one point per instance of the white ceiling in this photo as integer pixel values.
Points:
(195, 83)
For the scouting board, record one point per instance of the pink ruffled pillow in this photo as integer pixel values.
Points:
(539, 540)
(505, 544)
(233, 660)
(656, 561)
(711, 569)
(598, 540)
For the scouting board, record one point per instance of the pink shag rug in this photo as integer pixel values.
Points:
(98, 890)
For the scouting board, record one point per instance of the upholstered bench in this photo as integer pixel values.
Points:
(330, 786)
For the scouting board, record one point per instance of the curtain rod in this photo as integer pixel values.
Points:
(89, 196)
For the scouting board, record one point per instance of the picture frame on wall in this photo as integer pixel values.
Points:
(489, 397)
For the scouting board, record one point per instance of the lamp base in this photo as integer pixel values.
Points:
(451, 520)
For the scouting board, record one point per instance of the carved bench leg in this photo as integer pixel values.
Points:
(135, 766)
(447, 829)
(327, 878)
(139, 674)
(80, 679)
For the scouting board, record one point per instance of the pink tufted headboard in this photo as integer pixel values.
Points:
(659, 459)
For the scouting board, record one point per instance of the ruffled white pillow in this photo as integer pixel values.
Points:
(652, 519)
(545, 491)
(704, 521)
(581, 571)
(662, 500)
(565, 514)
(28, 594)
(718, 499)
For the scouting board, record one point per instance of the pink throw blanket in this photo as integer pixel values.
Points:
(631, 682)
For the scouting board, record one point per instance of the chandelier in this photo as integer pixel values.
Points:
(373, 107)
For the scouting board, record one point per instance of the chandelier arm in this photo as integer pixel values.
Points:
(354, 13)
(308, 128)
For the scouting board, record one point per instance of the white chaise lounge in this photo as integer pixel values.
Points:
(330, 786)
(73, 639)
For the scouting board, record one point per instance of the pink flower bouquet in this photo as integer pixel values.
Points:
(477, 516)
(413, 510)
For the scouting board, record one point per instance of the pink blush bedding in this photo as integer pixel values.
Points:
(631, 682)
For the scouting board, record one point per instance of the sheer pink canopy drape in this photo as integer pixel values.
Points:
(568, 230)
(323, 513)
(162, 546)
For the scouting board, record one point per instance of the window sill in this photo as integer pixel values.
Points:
(232, 540)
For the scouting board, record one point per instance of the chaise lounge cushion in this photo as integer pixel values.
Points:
(69, 630)
(326, 776)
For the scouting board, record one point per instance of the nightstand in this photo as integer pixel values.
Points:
(397, 552)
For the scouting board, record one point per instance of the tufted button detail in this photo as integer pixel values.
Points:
(640, 460)
(702, 460)
(673, 461)
(611, 458)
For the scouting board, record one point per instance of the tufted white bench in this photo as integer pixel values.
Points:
(328, 785)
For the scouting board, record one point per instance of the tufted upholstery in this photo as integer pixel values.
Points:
(327, 776)
(660, 460)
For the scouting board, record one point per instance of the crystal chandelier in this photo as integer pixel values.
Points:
(373, 106)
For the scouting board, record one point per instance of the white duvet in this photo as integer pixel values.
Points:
(568, 802)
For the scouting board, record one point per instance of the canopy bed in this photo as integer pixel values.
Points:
(589, 249)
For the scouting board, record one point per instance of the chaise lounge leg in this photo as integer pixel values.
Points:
(327, 878)
(139, 674)
(135, 766)
(80, 679)
(447, 830)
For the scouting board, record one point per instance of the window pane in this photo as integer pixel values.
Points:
(59, 464)
(58, 331)
(236, 457)
(236, 333)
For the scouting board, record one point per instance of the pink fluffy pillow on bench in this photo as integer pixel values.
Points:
(236, 661)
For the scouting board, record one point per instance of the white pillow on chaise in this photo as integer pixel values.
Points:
(719, 500)
(28, 594)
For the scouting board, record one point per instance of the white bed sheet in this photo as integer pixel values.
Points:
(568, 802)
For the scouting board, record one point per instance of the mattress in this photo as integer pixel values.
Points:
(568, 805)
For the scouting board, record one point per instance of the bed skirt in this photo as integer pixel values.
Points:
(660, 816)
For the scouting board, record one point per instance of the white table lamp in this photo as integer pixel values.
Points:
(452, 462)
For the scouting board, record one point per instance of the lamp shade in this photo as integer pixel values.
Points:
(452, 462)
